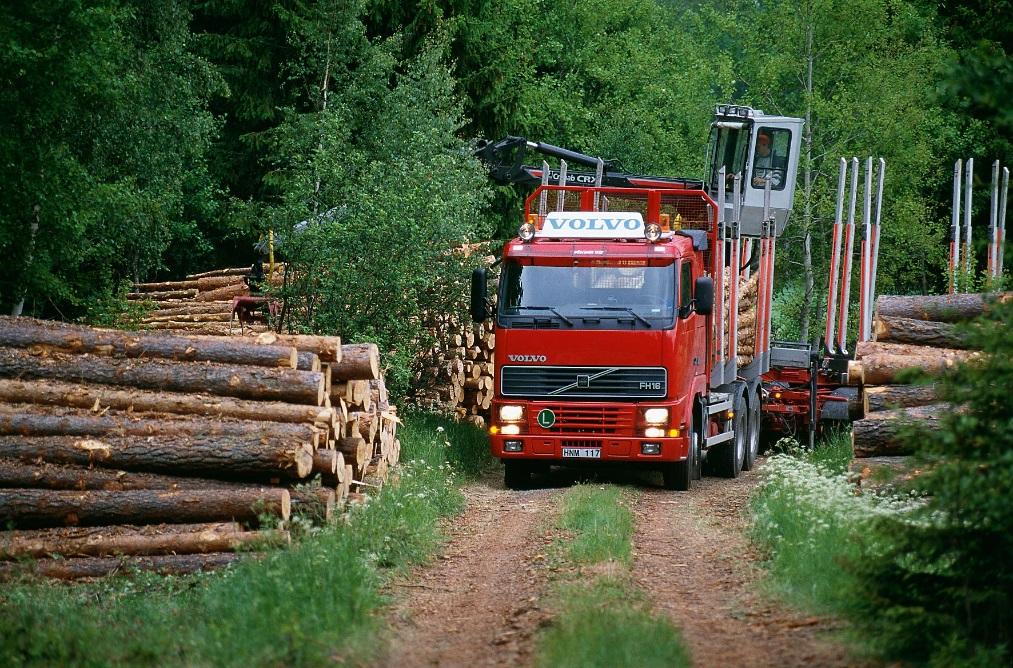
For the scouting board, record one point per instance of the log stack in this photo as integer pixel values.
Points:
(155, 444)
(456, 374)
(198, 304)
(914, 337)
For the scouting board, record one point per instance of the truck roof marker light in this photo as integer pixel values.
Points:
(526, 232)
(652, 232)
(665, 219)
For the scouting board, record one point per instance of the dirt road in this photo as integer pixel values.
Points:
(480, 604)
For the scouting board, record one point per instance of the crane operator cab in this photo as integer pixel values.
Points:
(762, 149)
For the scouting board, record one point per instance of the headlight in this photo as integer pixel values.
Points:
(652, 232)
(511, 413)
(654, 432)
(527, 232)
(510, 429)
(656, 416)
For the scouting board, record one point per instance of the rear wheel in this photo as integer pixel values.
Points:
(753, 435)
(516, 474)
(680, 475)
(729, 455)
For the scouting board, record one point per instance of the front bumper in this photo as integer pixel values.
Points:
(613, 449)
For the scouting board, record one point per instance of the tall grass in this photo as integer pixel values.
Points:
(603, 620)
(311, 604)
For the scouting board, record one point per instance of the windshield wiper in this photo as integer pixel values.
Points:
(547, 308)
(627, 309)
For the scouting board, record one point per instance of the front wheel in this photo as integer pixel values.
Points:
(680, 475)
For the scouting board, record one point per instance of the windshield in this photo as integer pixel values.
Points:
(598, 297)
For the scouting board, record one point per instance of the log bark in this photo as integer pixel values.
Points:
(45, 507)
(359, 361)
(315, 502)
(211, 456)
(919, 332)
(209, 283)
(15, 473)
(887, 397)
(940, 308)
(40, 336)
(191, 308)
(226, 292)
(327, 348)
(865, 349)
(164, 294)
(244, 382)
(355, 451)
(308, 362)
(130, 540)
(882, 433)
(35, 420)
(97, 397)
(886, 369)
(96, 567)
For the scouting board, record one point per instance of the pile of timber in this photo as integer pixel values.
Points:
(455, 375)
(200, 303)
(913, 336)
(167, 452)
(746, 323)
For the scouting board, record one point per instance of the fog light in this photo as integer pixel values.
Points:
(650, 448)
(656, 416)
(510, 429)
(652, 232)
(513, 446)
(511, 413)
(654, 432)
(526, 232)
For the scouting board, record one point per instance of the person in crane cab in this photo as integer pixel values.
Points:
(767, 163)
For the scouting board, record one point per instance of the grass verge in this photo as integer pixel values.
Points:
(307, 605)
(603, 620)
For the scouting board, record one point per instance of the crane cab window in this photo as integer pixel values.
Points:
(729, 141)
(770, 158)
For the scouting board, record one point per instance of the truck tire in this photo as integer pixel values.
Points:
(753, 434)
(680, 475)
(728, 456)
(516, 474)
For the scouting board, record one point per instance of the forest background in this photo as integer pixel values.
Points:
(144, 140)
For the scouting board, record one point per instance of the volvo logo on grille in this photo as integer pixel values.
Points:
(528, 358)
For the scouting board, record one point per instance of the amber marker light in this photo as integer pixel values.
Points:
(494, 430)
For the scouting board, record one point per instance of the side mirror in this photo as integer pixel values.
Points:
(704, 295)
(479, 289)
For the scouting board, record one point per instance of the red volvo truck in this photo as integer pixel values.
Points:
(617, 307)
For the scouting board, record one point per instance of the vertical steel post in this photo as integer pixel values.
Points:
(865, 280)
(993, 222)
(830, 336)
(543, 199)
(769, 229)
(720, 278)
(968, 248)
(599, 174)
(1002, 217)
(561, 194)
(875, 236)
(733, 290)
(849, 249)
(958, 167)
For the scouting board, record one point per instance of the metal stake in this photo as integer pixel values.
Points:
(1002, 217)
(865, 282)
(561, 195)
(849, 244)
(993, 222)
(543, 199)
(955, 228)
(968, 249)
(830, 335)
(875, 236)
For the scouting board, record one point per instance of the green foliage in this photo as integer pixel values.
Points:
(608, 622)
(102, 155)
(601, 523)
(941, 588)
(264, 612)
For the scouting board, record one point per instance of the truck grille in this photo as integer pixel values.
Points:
(590, 382)
(612, 420)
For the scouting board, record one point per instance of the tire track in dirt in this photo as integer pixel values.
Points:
(693, 559)
(478, 605)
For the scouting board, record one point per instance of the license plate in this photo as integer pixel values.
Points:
(582, 453)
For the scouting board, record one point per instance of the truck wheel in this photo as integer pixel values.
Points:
(753, 435)
(516, 474)
(728, 456)
(680, 475)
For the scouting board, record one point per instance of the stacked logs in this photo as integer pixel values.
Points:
(173, 450)
(913, 336)
(198, 304)
(746, 323)
(456, 373)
